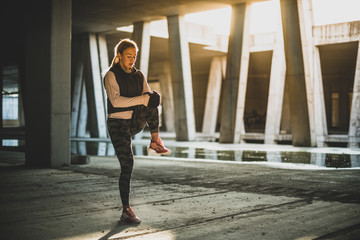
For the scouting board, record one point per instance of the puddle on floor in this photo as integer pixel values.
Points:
(329, 160)
(318, 159)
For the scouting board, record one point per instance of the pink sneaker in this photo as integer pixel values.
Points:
(129, 216)
(157, 148)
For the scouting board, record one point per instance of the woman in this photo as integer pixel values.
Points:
(131, 104)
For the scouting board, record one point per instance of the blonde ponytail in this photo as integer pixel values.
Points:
(120, 47)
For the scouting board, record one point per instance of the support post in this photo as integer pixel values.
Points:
(236, 75)
(319, 102)
(213, 95)
(94, 94)
(167, 97)
(104, 65)
(354, 126)
(295, 74)
(306, 24)
(141, 35)
(181, 79)
(76, 94)
(60, 82)
(47, 103)
(277, 86)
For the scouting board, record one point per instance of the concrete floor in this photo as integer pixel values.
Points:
(178, 199)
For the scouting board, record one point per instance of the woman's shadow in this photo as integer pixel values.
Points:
(118, 228)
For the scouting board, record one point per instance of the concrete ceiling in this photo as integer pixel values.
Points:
(107, 15)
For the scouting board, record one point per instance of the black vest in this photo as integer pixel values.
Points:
(131, 85)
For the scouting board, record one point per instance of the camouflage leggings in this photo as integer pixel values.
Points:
(121, 132)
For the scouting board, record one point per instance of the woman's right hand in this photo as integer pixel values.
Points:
(154, 100)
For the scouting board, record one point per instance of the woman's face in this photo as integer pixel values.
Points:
(128, 58)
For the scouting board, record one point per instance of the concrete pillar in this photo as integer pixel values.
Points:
(77, 86)
(81, 131)
(141, 35)
(354, 126)
(319, 102)
(167, 99)
(234, 87)
(277, 86)
(213, 95)
(295, 75)
(21, 103)
(94, 86)
(47, 98)
(1, 99)
(181, 79)
(104, 65)
(60, 82)
(306, 25)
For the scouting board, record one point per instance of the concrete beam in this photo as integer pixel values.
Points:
(94, 83)
(1, 99)
(336, 33)
(47, 98)
(295, 75)
(354, 126)
(104, 65)
(141, 35)
(319, 102)
(235, 58)
(306, 24)
(167, 98)
(60, 83)
(77, 84)
(213, 95)
(181, 79)
(82, 120)
(276, 87)
(244, 70)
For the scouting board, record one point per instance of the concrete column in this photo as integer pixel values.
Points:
(21, 103)
(181, 79)
(141, 35)
(213, 95)
(295, 75)
(94, 85)
(306, 24)
(104, 65)
(47, 98)
(1, 99)
(60, 82)
(82, 120)
(276, 87)
(354, 126)
(77, 85)
(319, 102)
(167, 98)
(237, 63)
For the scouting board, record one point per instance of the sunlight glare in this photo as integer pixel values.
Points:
(218, 18)
(335, 11)
(264, 17)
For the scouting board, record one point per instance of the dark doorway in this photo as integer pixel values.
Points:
(338, 63)
(257, 91)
